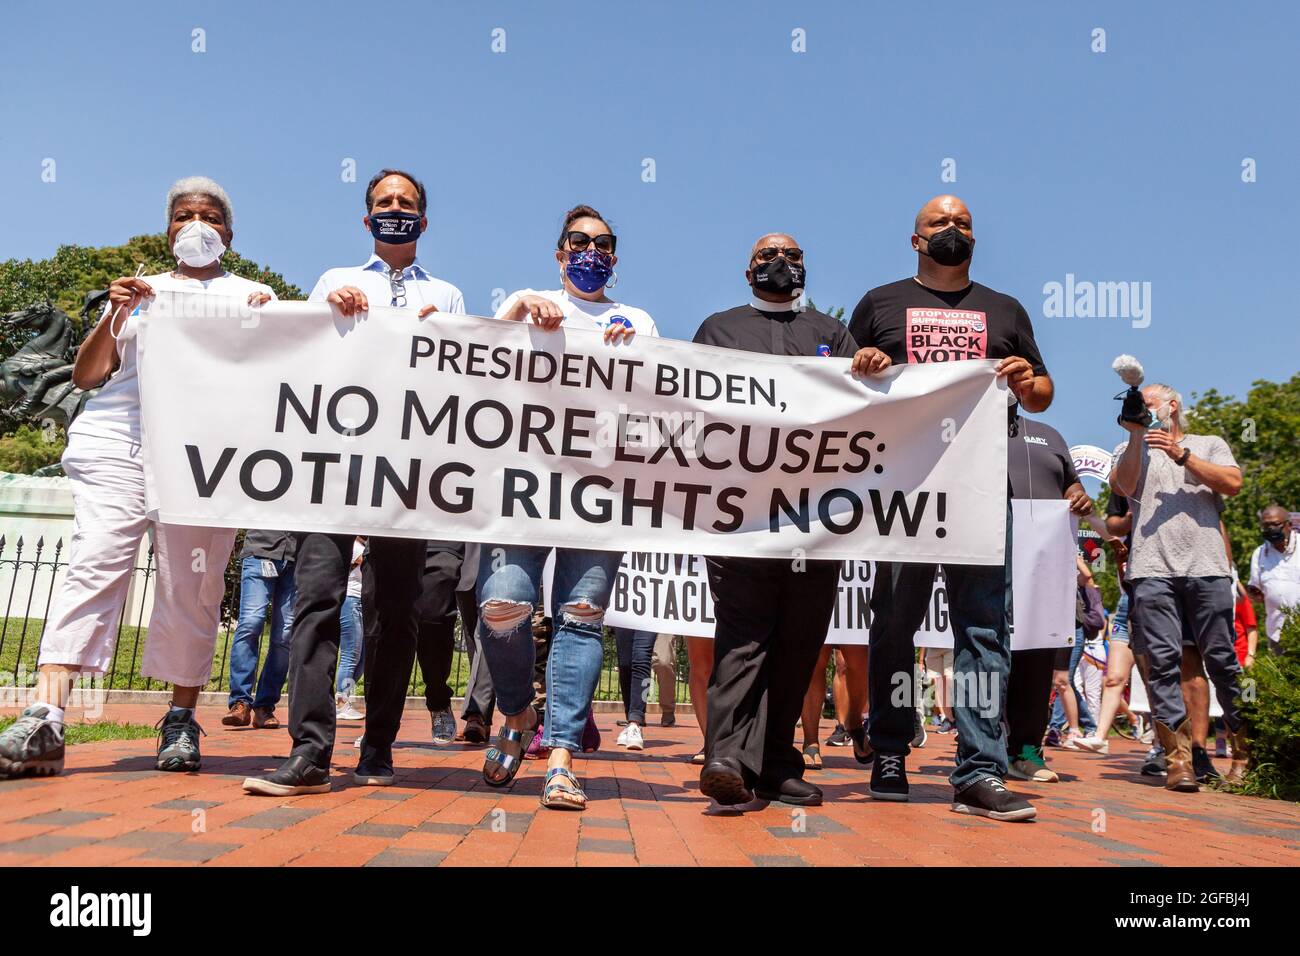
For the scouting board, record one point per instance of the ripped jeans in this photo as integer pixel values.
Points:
(509, 581)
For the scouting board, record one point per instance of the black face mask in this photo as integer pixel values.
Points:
(777, 277)
(1273, 535)
(951, 247)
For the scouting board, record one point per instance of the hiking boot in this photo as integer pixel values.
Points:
(178, 741)
(32, 744)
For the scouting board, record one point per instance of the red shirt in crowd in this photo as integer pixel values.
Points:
(1243, 621)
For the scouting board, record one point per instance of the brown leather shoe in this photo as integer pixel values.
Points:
(264, 717)
(1240, 756)
(1178, 754)
(239, 714)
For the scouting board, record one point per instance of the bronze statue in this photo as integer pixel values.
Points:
(39, 375)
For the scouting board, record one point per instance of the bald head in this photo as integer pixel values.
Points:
(780, 240)
(941, 212)
(1275, 513)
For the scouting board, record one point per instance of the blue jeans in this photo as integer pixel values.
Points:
(509, 580)
(1086, 721)
(979, 603)
(350, 645)
(255, 594)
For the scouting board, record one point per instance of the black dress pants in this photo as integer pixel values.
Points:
(771, 626)
(1029, 693)
(322, 577)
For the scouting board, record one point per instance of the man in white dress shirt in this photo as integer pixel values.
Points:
(396, 203)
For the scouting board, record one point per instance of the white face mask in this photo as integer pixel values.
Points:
(198, 245)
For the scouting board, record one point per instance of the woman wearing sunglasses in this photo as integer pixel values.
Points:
(509, 576)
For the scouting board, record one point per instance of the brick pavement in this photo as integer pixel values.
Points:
(110, 807)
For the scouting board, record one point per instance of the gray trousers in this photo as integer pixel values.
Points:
(480, 698)
(1204, 607)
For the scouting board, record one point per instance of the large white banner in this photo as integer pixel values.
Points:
(670, 593)
(292, 416)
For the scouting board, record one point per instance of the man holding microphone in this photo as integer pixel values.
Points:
(1175, 483)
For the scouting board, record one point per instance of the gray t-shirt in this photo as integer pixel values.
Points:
(1176, 518)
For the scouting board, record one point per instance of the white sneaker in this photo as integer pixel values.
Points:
(344, 709)
(1090, 744)
(634, 738)
(622, 738)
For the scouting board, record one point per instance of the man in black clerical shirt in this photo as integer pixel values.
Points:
(772, 614)
(940, 315)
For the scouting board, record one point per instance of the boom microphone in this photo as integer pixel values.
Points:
(1134, 408)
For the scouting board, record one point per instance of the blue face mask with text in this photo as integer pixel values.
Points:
(395, 228)
(589, 269)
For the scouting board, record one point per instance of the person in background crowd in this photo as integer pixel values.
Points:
(635, 652)
(938, 662)
(913, 320)
(509, 576)
(480, 698)
(1175, 482)
(1039, 465)
(699, 654)
(1119, 666)
(1071, 717)
(771, 616)
(663, 663)
(104, 465)
(1275, 572)
(351, 640)
(435, 640)
(396, 206)
(265, 578)
(849, 694)
(1246, 628)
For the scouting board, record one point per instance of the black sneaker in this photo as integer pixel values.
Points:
(31, 744)
(297, 775)
(919, 736)
(889, 778)
(374, 769)
(178, 741)
(1154, 765)
(987, 797)
(1203, 766)
(840, 738)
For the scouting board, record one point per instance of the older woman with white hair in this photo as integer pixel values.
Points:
(104, 465)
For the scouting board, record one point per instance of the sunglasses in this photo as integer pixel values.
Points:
(768, 253)
(579, 241)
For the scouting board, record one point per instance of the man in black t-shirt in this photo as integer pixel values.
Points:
(772, 614)
(940, 315)
(1039, 466)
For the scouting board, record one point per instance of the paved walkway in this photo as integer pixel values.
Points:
(110, 807)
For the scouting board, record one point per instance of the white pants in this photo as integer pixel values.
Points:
(109, 522)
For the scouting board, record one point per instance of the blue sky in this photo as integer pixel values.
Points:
(1122, 166)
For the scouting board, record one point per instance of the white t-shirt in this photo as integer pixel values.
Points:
(354, 572)
(581, 314)
(1277, 574)
(114, 412)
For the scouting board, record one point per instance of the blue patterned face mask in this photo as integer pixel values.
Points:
(589, 269)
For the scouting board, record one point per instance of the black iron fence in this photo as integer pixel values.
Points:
(30, 573)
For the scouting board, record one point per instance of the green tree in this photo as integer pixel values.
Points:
(30, 448)
(1264, 434)
(65, 278)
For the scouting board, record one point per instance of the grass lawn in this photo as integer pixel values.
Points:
(103, 730)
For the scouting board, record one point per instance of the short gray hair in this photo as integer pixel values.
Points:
(199, 186)
(1169, 395)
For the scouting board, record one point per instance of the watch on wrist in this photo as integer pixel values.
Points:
(1182, 459)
